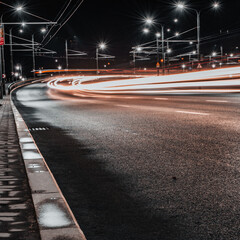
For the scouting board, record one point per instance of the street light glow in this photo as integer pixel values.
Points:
(146, 30)
(175, 20)
(23, 24)
(216, 5)
(168, 30)
(169, 50)
(102, 45)
(149, 21)
(214, 54)
(59, 67)
(43, 30)
(21, 31)
(180, 5)
(139, 49)
(158, 35)
(177, 34)
(19, 8)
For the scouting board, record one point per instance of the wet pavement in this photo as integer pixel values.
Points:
(17, 214)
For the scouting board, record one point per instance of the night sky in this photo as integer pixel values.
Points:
(119, 23)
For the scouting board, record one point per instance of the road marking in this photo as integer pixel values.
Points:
(125, 106)
(217, 101)
(161, 98)
(194, 113)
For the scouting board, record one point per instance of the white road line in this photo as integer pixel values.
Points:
(217, 101)
(161, 99)
(194, 113)
(125, 106)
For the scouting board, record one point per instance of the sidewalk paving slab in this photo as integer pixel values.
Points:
(17, 213)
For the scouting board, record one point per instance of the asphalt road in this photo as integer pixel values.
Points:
(142, 167)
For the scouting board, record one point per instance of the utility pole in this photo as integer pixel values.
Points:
(3, 58)
(11, 54)
(134, 61)
(1, 82)
(163, 50)
(97, 51)
(66, 47)
(198, 34)
(33, 57)
(158, 58)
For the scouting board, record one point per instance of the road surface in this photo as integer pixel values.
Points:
(142, 167)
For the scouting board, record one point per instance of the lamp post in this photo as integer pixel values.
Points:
(135, 50)
(182, 6)
(150, 21)
(101, 46)
(158, 35)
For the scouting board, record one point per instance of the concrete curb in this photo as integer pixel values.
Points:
(54, 216)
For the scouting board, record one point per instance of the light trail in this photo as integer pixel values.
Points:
(227, 79)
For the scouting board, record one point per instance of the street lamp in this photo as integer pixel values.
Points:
(146, 30)
(149, 21)
(182, 6)
(101, 46)
(158, 35)
(19, 8)
(43, 30)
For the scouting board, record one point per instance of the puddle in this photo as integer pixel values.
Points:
(27, 155)
(52, 216)
(29, 146)
(26, 140)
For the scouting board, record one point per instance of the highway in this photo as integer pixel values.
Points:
(142, 167)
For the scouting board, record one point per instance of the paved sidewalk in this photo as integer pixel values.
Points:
(17, 214)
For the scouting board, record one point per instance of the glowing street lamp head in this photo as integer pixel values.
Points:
(158, 35)
(59, 67)
(102, 46)
(21, 31)
(146, 30)
(149, 21)
(177, 34)
(139, 49)
(23, 24)
(43, 30)
(19, 8)
(168, 30)
(175, 20)
(169, 50)
(216, 5)
(214, 54)
(180, 5)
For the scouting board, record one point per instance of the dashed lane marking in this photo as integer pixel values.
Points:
(194, 113)
(217, 101)
(164, 99)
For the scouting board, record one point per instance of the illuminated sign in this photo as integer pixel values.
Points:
(1, 36)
